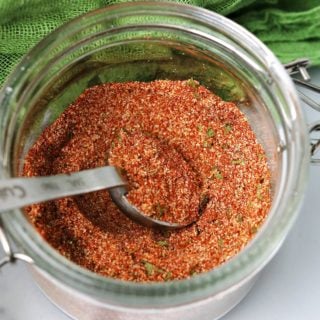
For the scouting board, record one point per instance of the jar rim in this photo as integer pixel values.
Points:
(256, 254)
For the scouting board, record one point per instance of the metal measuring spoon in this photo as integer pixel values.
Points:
(19, 192)
(118, 195)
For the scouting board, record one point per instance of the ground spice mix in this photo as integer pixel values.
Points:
(186, 153)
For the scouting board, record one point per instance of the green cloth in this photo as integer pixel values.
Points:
(291, 28)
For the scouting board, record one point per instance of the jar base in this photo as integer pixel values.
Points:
(80, 307)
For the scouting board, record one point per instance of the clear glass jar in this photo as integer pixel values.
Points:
(147, 41)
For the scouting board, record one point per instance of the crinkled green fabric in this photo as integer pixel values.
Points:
(290, 34)
(291, 28)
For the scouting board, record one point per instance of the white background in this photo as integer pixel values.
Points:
(289, 287)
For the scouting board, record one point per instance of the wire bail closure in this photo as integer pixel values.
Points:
(300, 67)
(10, 256)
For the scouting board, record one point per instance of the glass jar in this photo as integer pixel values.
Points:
(147, 41)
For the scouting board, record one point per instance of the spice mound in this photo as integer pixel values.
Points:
(163, 186)
(181, 147)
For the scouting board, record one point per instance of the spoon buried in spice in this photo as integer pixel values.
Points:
(163, 184)
(132, 196)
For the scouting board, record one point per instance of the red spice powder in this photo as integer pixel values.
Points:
(182, 147)
(163, 185)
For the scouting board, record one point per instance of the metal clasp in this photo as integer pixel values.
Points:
(10, 256)
(300, 66)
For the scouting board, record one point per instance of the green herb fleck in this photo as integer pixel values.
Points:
(160, 270)
(210, 133)
(159, 210)
(192, 83)
(238, 161)
(216, 173)
(228, 127)
(168, 276)
(207, 144)
(220, 242)
(163, 243)
(197, 95)
(150, 268)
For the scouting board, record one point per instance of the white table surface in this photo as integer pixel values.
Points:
(289, 287)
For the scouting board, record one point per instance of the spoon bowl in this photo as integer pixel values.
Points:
(118, 196)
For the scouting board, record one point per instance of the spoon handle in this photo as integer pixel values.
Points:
(19, 192)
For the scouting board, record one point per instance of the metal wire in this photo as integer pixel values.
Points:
(10, 256)
(307, 99)
(315, 144)
(4, 261)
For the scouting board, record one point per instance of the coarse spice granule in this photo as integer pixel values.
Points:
(221, 170)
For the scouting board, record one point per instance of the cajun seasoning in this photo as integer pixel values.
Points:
(163, 185)
(186, 154)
